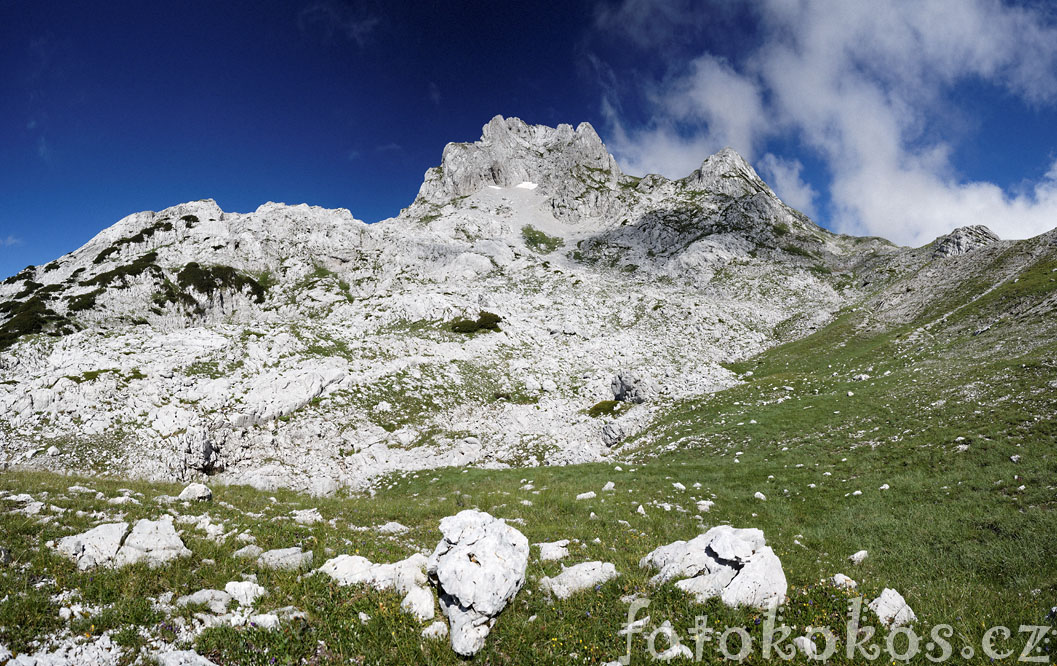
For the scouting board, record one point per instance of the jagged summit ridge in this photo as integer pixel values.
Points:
(511, 152)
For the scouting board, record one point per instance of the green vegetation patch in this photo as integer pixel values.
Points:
(486, 321)
(540, 242)
(208, 280)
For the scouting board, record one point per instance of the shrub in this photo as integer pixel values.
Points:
(488, 321)
(210, 279)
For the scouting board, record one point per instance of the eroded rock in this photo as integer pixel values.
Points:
(477, 567)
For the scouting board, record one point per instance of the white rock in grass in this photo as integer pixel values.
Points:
(196, 492)
(245, 592)
(704, 506)
(406, 577)
(216, 600)
(95, 547)
(892, 609)
(436, 630)
(307, 516)
(181, 658)
(154, 541)
(264, 621)
(609, 486)
(590, 494)
(858, 557)
(760, 496)
(641, 511)
(554, 550)
(678, 486)
(760, 583)
(53, 451)
(250, 552)
(884, 487)
(392, 527)
(287, 559)
(733, 564)
(579, 577)
(478, 567)
(840, 580)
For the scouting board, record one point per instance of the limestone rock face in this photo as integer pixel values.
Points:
(477, 567)
(963, 240)
(570, 166)
(733, 564)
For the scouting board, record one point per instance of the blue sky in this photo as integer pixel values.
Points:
(900, 119)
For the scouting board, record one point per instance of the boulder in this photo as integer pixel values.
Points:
(250, 552)
(95, 547)
(245, 592)
(612, 434)
(288, 559)
(406, 576)
(216, 600)
(554, 550)
(892, 609)
(196, 492)
(579, 577)
(153, 541)
(629, 388)
(733, 564)
(477, 567)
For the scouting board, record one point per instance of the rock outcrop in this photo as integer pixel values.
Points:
(733, 564)
(477, 567)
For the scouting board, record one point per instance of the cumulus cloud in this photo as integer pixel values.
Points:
(866, 87)
(784, 177)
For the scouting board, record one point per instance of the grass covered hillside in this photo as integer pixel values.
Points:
(927, 440)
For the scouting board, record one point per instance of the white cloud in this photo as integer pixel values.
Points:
(866, 87)
(9, 241)
(784, 177)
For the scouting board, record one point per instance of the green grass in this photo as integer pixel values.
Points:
(966, 536)
(540, 242)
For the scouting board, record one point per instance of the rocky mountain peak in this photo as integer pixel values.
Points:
(560, 162)
(726, 173)
(963, 240)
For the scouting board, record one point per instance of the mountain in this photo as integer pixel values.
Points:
(492, 323)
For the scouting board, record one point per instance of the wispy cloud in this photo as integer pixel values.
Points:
(10, 241)
(330, 20)
(43, 149)
(865, 87)
(434, 93)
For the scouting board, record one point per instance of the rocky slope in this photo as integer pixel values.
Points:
(296, 346)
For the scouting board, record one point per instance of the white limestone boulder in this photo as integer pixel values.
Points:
(406, 577)
(153, 541)
(577, 578)
(196, 492)
(733, 564)
(97, 546)
(477, 567)
(286, 559)
(892, 609)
